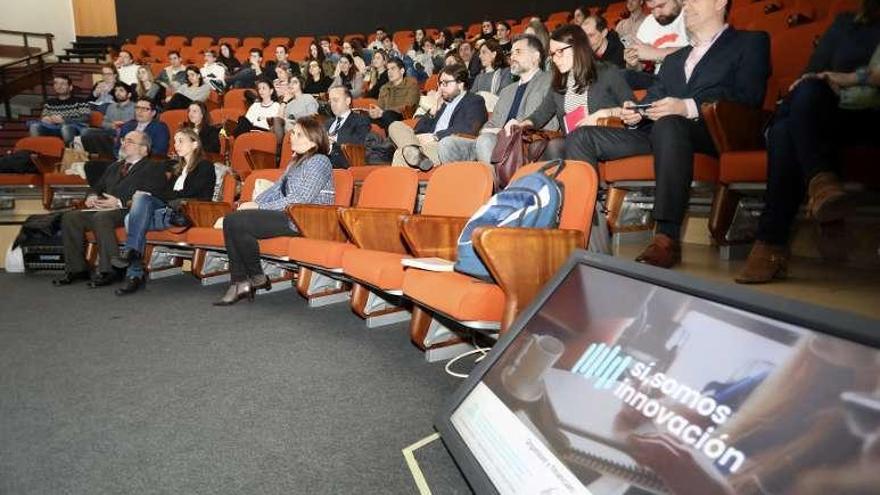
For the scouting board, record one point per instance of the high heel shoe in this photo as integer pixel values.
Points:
(261, 281)
(236, 292)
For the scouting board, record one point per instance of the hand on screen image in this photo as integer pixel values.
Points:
(677, 466)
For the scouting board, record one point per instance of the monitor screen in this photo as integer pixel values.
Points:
(628, 379)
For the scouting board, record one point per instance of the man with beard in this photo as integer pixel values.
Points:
(456, 111)
(661, 33)
(517, 101)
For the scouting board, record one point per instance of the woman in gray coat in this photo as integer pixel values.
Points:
(583, 90)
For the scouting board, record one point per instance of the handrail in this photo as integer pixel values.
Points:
(27, 61)
(6, 31)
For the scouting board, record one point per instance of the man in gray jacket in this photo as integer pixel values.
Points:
(514, 101)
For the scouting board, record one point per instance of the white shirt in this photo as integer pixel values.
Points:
(673, 35)
(334, 128)
(178, 184)
(258, 114)
(214, 71)
(128, 74)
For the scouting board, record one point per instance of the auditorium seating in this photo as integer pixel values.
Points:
(46, 152)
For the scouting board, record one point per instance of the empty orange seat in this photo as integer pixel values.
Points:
(173, 119)
(457, 295)
(255, 140)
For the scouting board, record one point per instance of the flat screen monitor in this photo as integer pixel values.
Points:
(622, 378)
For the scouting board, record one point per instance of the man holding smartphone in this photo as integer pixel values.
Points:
(721, 64)
(106, 205)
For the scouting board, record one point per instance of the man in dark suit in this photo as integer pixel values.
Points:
(106, 205)
(721, 64)
(145, 120)
(456, 112)
(347, 128)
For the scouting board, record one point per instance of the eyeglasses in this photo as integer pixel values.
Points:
(554, 53)
(443, 82)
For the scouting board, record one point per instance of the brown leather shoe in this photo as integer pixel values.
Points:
(765, 263)
(827, 199)
(663, 251)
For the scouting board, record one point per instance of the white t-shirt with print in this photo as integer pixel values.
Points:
(672, 35)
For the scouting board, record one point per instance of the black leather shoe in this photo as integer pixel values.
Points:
(70, 278)
(132, 285)
(103, 279)
(125, 258)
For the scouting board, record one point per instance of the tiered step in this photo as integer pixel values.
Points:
(10, 132)
(89, 49)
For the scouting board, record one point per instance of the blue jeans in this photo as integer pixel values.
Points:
(147, 213)
(66, 131)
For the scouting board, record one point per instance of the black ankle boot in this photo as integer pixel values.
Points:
(236, 292)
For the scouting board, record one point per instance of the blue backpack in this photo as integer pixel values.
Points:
(533, 201)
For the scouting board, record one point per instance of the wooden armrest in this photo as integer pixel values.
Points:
(356, 154)
(45, 164)
(523, 260)
(317, 221)
(734, 126)
(433, 236)
(609, 122)
(205, 213)
(408, 111)
(259, 160)
(374, 228)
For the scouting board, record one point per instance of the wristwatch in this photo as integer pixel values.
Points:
(862, 76)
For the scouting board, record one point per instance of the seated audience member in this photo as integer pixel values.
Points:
(247, 75)
(106, 202)
(495, 74)
(64, 115)
(502, 35)
(516, 101)
(192, 177)
(396, 96)
(631, 21)
(296, 104)
(381, 34)
(261, 114)
(430, 58)
(199, 119)
(316, 81)
(316, 54)
(444, 39)
(661, 33)
(377, 76)
(148, 88)
(117, 114)
(455, 111)
(145, 112)
(390, 48)
(579, 16)
(283, 75)
(452, 59)
(196, 89)
(733, 66)
(227, 59)
(346, 128)
(584, 89)
(487, 32)
(329, 53)
(174, 75)
(307, 179)
(281, 59)
(466, 53)
(538, 29)
(604, 42)
(213, 72)
(102, 91)
(126, 68)
(836, 103)
(347, 75)
(354, 49)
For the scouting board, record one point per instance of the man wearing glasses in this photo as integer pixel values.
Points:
(108, 144)
(455, 112)
(106, 205)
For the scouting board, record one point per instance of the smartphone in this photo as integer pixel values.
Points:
(639, 106)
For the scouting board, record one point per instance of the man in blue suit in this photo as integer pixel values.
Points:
(721, 63)
(145, 121)
(456, 112)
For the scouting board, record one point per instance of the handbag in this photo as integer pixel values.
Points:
(514, 150)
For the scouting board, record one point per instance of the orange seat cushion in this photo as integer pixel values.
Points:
(205, 236)
(743, 166)
(316, 252)
(275, 246)
(377, 268)
(458, 296)
(167, 235)
(641, 167)
(361, 173)
(56, 179)
(21, 180)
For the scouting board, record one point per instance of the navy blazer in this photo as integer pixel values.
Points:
(736, 69)
(353, 131)
(158, 132)
(468, 117)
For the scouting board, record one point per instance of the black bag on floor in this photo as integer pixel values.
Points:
(44, 228)
(18, 162)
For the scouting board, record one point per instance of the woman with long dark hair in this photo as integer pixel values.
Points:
(349, 76)
(199, 119)
(495, 74)
(307, 179)
(196, 89)
(192, 177)
(583, 89)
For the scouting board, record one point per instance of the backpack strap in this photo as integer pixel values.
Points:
(559, 163)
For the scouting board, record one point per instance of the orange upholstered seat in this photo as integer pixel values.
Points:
(460, 296)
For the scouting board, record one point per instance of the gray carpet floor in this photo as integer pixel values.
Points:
(162, 393)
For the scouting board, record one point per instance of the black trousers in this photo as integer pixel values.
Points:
(805, 138)
(388, 117)
(74, 225)
(672, 140)
(242, 230)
